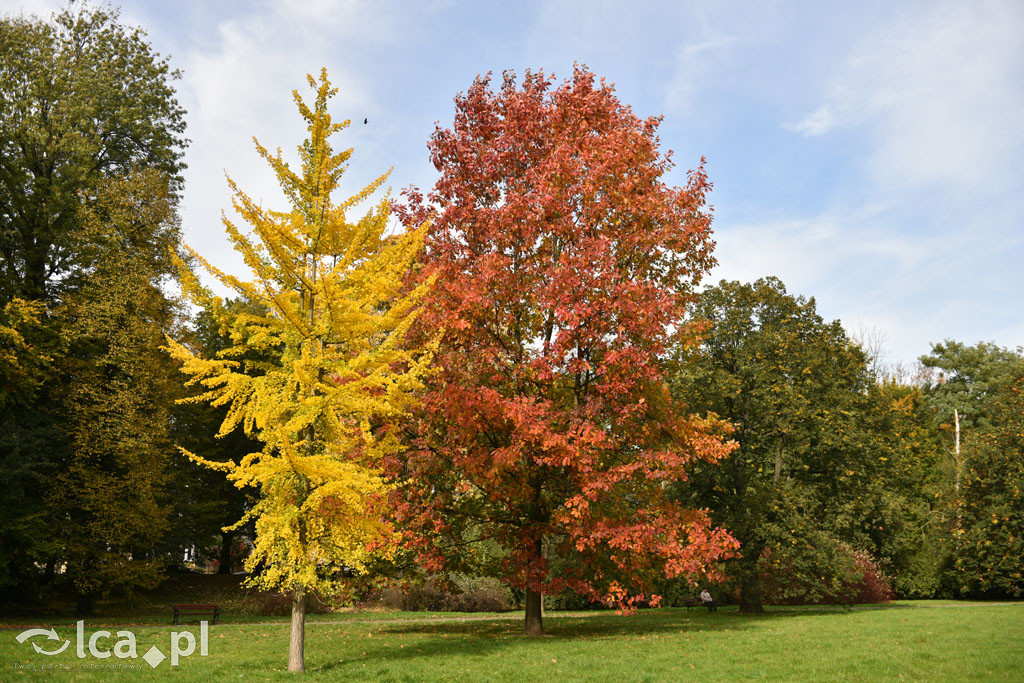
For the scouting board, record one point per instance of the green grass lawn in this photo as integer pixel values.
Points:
(918, 640)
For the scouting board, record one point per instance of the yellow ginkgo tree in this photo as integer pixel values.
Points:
(320, 375)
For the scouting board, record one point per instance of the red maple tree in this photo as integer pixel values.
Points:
(564, 264)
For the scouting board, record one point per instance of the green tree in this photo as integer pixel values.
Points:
(990, 556)
(83, 101)
(791, 384)
(969, 377)
(976, 400)
(900, 512)
(27, 436)
(962, 397)
(108, 498)
(82, 97)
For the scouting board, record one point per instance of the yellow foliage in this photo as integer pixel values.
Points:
(20, 361)
(334, 365)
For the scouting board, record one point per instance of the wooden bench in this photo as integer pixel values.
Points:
(180, 610)
(692, 602)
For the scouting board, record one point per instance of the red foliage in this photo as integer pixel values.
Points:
(857, 579)
(564, 265)
(874, 585)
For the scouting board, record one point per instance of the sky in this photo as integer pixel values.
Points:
(868, 154)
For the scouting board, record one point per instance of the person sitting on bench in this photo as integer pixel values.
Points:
(705, 597)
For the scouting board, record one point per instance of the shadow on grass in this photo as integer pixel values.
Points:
(483, 638)
(478, 638)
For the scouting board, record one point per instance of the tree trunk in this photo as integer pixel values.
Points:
(534, 625)
(750, 592)
(85, 605)
(51, 568)
(225, 552)
(297, 649)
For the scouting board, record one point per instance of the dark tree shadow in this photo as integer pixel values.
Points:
(480, 637)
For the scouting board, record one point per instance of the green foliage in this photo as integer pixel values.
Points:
(28, 434)
(571, 600)
(450, 593)
(901, 513)
(990, 552)
(981, 485)
(82, 97)
(793, 386)
(969, 377)
(819, 569)
(85, 104)
(803, 561)
(22, 362)
(118, 390)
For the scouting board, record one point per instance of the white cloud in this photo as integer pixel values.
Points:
(694, 67)
(39, 8)
(238, 87)
(805, 253)
(938, 95)
(866, 275)
(818, 122)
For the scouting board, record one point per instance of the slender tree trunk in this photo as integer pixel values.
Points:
(750, 592)
(958, 467)
(225, 552)
(85, 605)
(51, 567)
(750, 582)
(297, 648)
(534, 625)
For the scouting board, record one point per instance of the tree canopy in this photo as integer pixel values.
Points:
(790, 383)
(83, 97)
(118, 392)
(91, 144)
(564, 266)
(315, 368)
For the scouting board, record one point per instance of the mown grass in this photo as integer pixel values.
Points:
(959, 641)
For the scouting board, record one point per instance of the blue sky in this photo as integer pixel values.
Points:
(869, 154)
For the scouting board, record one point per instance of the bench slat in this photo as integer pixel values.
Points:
(195, 609)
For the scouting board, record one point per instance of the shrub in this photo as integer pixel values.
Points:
(570, 601)
(846, 576)
(873, 585)
(279, 604)
(455, 593)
